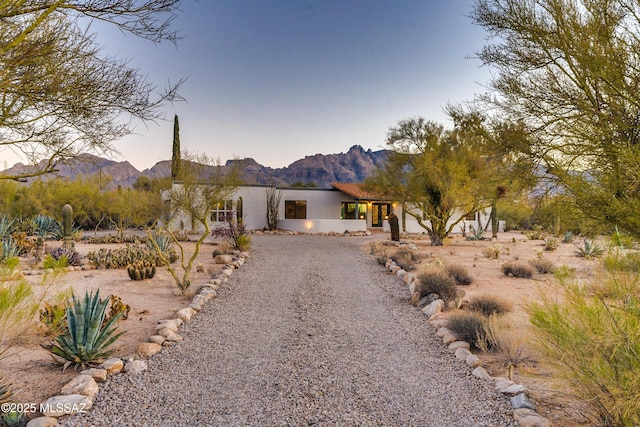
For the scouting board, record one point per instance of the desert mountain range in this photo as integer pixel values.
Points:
(320, 169)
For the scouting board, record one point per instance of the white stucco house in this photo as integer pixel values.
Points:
(344, 206)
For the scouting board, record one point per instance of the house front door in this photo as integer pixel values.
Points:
(379, 212)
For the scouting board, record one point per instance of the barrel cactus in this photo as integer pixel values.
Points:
(141, 270)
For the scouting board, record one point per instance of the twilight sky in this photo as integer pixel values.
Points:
(276, 80)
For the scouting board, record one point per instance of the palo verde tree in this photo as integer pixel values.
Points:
(435, 173)
(60, 96)
(568, 71)
(204, 184)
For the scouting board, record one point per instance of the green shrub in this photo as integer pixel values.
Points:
(86, 339)
(517, 269)
(542, 265)
(535, 233)
(470, 327)
(459, 273)
(50, 262)
(616, 261)
(551, 244)
(596, 336)
(488, 305)
(438, 281)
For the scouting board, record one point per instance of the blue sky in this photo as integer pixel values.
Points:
(276, 80)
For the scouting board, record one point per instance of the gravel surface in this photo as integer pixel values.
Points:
(310, 331)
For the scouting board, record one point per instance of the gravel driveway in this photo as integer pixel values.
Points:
(310, 331)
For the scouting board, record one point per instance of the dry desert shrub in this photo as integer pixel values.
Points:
(406, 258)
(492, 252)
(543, 265)
(436, 280)
(489, 304)
(517, 269)
(460, 274)
(470, 327)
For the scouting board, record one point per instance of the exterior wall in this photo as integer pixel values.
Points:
(322, 225)
(322, 208)
(412, 226)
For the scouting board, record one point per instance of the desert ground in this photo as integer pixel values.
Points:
(37, 377)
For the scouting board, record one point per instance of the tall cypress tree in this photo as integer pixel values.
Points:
(175, 158)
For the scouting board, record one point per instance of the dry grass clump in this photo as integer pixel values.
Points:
(543, 265)
(459, 273)
(488, 305)
(470, 327)
(493, 252)
(437, 281)
(517, 269)
(405, 258)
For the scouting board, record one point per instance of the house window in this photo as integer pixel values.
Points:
(222, 211)
(470, 217)
(348, 210)
(295, 209)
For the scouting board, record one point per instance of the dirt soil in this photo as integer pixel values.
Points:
(32, 370)
(38, 377)
(551, 395)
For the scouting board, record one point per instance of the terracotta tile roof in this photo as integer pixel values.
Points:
(355, 190)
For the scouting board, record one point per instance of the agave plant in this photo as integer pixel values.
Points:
(8, 249)
(164, 244)
(589, 249)
(7, 226)
(46, 226)
(86, 339)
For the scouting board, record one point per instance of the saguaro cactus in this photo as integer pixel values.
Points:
(67, 221)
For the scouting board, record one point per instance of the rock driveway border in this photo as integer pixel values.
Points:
(309, 332)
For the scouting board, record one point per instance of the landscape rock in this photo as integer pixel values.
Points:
(528, 418)
(147, 349)
(185, 313)
(43, 422)
(441, 332)
(473, 361)
(135, 367)
(481, 373)
(82, 384)
(99, 375)
(462, 353)
(112, 366)
(521, 400)
(172, 337)
(156, 339)
(449, 338)
(67, 404)
(222, 259)
(433, 308)
(457, 345)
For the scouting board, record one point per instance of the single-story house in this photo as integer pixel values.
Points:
(344, 206)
